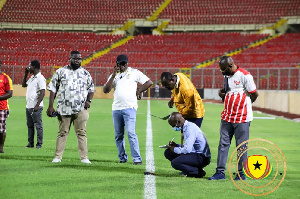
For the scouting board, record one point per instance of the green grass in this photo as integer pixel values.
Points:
(29, 173)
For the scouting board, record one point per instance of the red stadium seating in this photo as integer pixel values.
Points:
(51, 48)
(281, 52)
(182, 50)
(18, 48)
(175, 51)
(183, 12)
(76, 12)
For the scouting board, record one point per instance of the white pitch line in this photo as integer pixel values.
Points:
(149, 184)
(264, 118)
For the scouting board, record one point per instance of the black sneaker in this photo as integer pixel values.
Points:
(138, 163)
(38, 146)
(217, 176)
(241, 177)
(202, 173)
(28, 146)
(123, 161)
(182, 173)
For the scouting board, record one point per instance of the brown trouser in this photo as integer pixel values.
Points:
(79, 120)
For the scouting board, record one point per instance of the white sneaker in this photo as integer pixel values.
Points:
(86, 161)
(55, 160)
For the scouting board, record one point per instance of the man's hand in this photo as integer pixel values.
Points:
(36, 108)
(171, 143)
(138, 94)
(87, 104)
(171, 103)
(171, 148)
(50, 110)
(27, 70)
(117, 69)
(221, 93)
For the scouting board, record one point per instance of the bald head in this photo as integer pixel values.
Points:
(226, 61)
(176, 119)
(227, 66)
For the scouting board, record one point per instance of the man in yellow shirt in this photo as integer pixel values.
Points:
(185, 96)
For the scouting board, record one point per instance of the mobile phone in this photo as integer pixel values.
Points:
(54, 114)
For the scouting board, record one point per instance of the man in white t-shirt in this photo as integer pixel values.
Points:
(238, 94)
(35, 93)
(124, 81)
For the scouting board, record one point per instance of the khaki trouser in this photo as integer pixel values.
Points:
(79, 120)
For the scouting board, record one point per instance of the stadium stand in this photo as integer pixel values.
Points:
(52, 48)
(180, 50)
(76, 12)
(150, 53)
(280, 52)
(182, 12)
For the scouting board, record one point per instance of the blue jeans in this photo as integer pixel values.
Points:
(127, 118)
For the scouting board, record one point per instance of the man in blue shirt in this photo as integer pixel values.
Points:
(194, 154)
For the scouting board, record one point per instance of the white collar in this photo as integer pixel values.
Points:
(177, 81)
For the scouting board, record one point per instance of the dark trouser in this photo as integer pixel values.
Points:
(34, 119)
(241, 134)
(197, 121)
(189, 163)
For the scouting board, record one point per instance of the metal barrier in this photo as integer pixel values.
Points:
(265, 78)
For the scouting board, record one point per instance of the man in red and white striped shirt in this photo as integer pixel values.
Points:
(238, 94)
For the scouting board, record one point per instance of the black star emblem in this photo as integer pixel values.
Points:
(257, 165)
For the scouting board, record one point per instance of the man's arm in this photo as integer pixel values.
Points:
(189, 103)
(40, 99)
(88, 100)
(253, 96)
(188, 144)
(25, 78)
(144, 87)
(50, 109)
(108, 86)
(6, 95)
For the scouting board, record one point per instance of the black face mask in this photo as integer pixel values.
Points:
(74, 66)
(227, 73)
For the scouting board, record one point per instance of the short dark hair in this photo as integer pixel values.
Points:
(36, 64)
(74, 52)
(166, 75)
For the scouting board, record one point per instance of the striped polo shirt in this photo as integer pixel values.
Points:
(5, 85)
(238, 106)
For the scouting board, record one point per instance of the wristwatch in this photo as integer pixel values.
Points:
(89, 101)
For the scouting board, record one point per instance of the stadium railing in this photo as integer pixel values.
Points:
(210, 78)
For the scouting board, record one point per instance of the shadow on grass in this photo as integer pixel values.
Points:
(103, 168)
(27, 157)
(72, 163)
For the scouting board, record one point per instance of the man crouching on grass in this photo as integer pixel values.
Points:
(192, 156)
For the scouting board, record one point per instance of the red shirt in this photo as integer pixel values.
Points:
(5, 85)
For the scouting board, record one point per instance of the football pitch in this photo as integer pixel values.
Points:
(29, 173)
